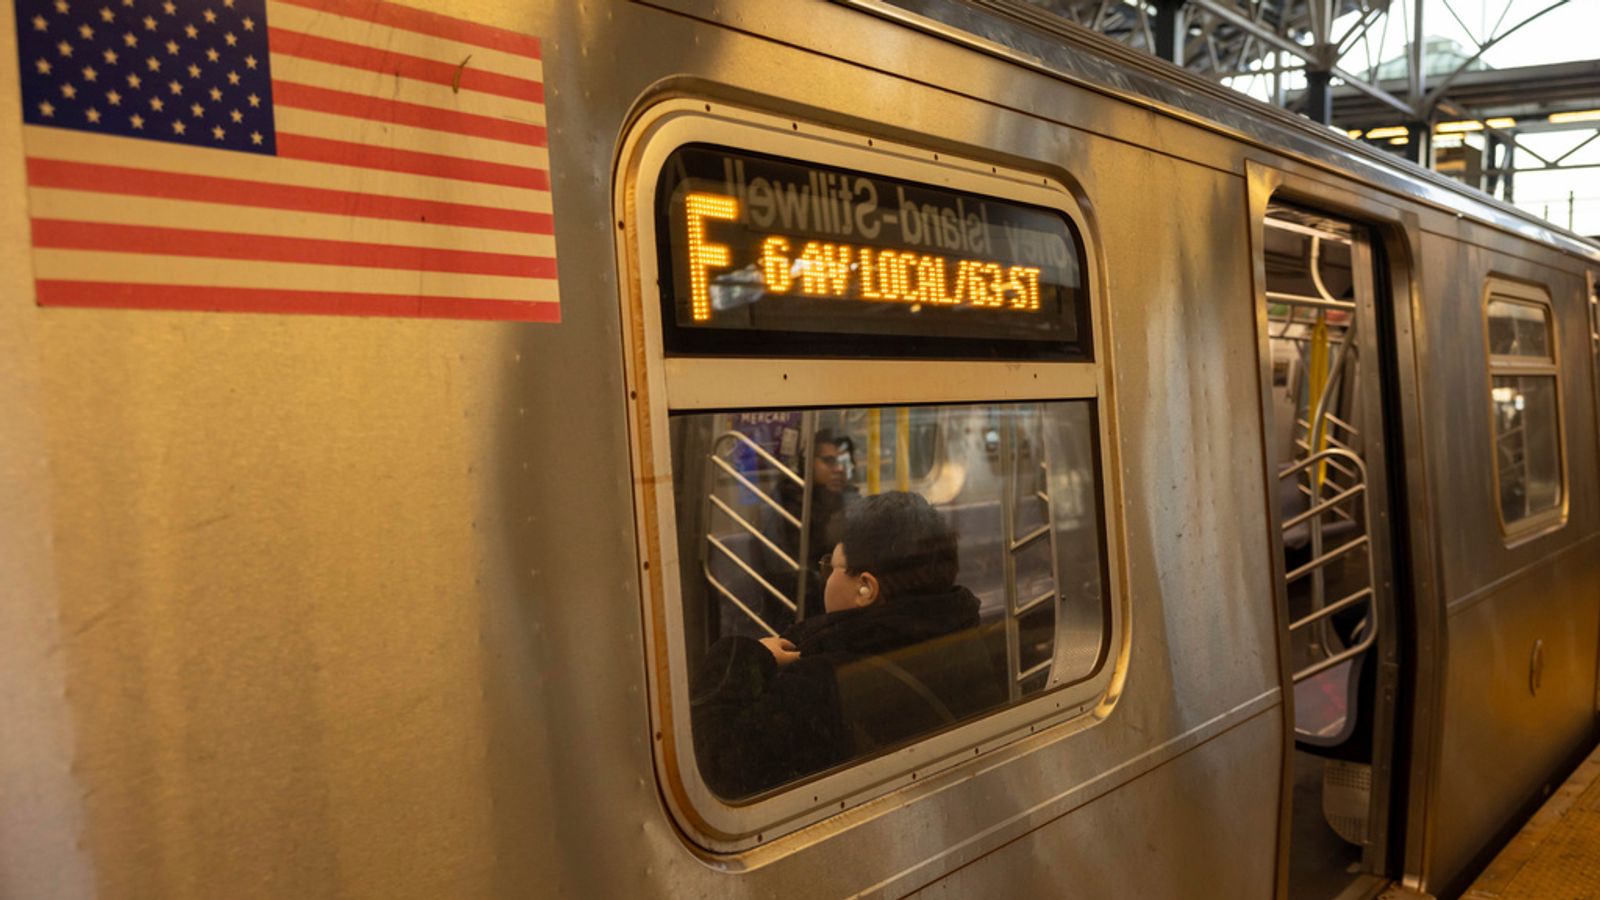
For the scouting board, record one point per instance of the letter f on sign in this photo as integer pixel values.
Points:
(697, 208)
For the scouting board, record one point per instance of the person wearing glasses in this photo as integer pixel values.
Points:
(897, 652)
(832, 494)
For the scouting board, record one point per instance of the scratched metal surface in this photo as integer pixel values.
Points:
(324, 606)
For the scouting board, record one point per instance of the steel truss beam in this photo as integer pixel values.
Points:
(1321, 58)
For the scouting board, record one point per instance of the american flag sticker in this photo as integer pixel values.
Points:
(350, 157)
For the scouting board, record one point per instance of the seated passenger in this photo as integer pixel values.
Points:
(896, 654)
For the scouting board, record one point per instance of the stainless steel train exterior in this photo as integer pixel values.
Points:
(305, 605)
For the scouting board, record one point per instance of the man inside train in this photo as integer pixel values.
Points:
(896, 653)
(831, 493)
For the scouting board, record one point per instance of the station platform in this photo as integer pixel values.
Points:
(1556, 856)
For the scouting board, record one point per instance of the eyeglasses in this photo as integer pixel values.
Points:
(825, 566)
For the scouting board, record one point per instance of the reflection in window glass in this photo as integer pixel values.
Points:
(1526, 409)
(1518, 329)
(1594, 313)
(899, 445)
(841, 600)
(1527, 446)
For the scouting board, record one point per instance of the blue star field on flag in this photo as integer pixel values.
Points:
(194, 72)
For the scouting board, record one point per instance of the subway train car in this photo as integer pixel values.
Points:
(424, 427)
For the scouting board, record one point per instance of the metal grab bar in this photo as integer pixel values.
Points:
(1332, 464)
(1303, 300)
(760, 451)
(1307, 230)
(1325, 505)
(1036, 668)
(1031, 536)
(788, 560)
(1330, 609)
(1351, 433)
(776, 507)
(714, 541)
(1329, 445)
(1305, 489)
(1300, 339)
(1337, 511)
(1304, 443)
(1348, 653)
(1316, 273)
(1328, 557)
(1300, 465)
(733, 598)
(1036, 602)
(1330, 442)
(1354, 431)
(717, 462)
(1367, 594)
(1013, 492)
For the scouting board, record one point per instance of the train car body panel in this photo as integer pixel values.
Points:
(1505, 595)
(1063, 853)
(1180, 575)
(43, 814)
(322, 605)
(1502, 737)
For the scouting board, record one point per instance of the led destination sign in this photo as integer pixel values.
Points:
(816, 260)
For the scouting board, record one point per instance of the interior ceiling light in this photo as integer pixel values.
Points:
(1388, 131)
(1400, 141)
(1582, 115)
(1458, 127)
(1354, 133)
(1501, 122)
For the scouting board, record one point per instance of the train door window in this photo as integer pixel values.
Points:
(869, 419)
(1594, 346)
(1594, 315)
(1525, 407)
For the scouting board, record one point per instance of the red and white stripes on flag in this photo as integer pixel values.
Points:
(411, 178)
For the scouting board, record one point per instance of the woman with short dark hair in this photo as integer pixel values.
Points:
(896, 654)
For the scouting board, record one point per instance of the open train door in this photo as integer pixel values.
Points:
(1323, 361)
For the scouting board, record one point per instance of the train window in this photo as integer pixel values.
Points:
(837, 609)
(1525, 406)
(1594, 311)
(1518, 329)
(1594, 325)
(868, 412)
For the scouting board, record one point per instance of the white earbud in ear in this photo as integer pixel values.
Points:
(862, 590)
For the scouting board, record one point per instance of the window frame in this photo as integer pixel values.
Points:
(1501, 288)
(1591, 296)
(659, 385)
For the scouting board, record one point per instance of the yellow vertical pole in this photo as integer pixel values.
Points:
(902, 448)
(874, 451)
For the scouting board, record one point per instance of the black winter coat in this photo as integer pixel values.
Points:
(866, 679)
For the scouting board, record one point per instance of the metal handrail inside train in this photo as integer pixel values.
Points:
(1321, 612)
(715, 461)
